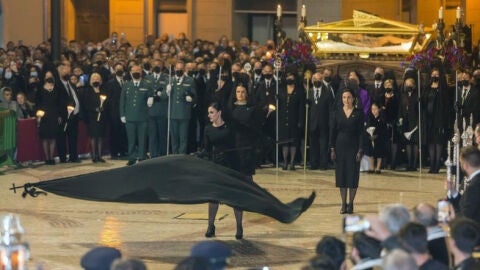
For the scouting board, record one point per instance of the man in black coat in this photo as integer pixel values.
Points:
(321, 101)
(69, 127)
(376, 90)
(467, 204)
(118, 134)
(469, 99)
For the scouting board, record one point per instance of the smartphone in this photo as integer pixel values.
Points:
(443, 207)
(355, 223)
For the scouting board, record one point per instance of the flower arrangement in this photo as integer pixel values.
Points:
(296, 55)
(456, 57)
(451, 56)
(421, 60)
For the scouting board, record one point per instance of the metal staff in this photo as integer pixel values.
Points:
(169, 105)
(308, 76)
(277, 64)
(419, 121)
(457, 149)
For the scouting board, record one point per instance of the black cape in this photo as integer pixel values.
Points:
(178, 179)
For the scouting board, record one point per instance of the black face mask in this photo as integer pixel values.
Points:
(96, 84)
(136, 75)
(235, 74)
(378, 76)
(147, 66)
(66, 77)
(327, 79)
(179, 73)
(409, 89)
(50, 80)
(435, 79)
(352, 84)
(157, 69)
(258, 71)
(119, 73)
(99, 63)
(389, 90)
(465, 83)
(191, 73)
(201, 72)
(317, 84)
(268, 76)
(290, 81)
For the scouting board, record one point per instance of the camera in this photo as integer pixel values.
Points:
(355, 223)
(443, 210)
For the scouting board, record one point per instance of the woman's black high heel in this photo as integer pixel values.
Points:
(350, 208)
(210, 231)
(239, 234)
(343, 210)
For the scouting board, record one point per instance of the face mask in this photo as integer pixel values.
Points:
(327, 79)
(268, 76)
(409, 89)
(66, 77)
(201, 72)
(179, 73)
(50, 80)
(34, 74)
(235, 74)
(317, 84)
(378, 76)
(258, 71)
(99, 63)
(191, 73)
(89, 48)
(465, 83)
(352, 84)
(119, 73)
(388, 90)
(290, 81)
(157, 69)
(96, 84)
(39, 65)
(136, 75)
(435, 79)
(147, 66)
(8, 75)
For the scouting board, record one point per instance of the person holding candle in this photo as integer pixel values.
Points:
(94, 99)
(48, 116)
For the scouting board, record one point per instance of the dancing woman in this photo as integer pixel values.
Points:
(219, 142)
(346, 137)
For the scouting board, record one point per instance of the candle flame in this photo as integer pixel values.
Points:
(40, 113)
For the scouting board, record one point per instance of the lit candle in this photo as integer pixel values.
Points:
(279, 11)
(304, 11)
(459, 13)
(440, 13)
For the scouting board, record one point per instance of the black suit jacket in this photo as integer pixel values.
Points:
(375, 94)
(471, 105)
(66, 99)
(468, 204)
(113, 89)
(320, 112)
(265, 96)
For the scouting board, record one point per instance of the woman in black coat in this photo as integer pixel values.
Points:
(389, 103)
(291, 103)
(435, 102)
(378, 136)
(346, 137)
(408, 122)
(92, 97)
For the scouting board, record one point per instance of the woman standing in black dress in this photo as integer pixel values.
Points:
(377, 133)
(219, 139)
(291, 111)
(246, 130)
(409, 122)
(93, 104)
(435, 100)
(346, 137)
(48, 116)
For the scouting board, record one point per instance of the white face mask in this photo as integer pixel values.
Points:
(8, 75)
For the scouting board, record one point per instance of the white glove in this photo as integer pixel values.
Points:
(188, 98)
(169, 89)
(150, 101)
(123, 119)
(159, 93)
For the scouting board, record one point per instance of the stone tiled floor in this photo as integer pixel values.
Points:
(60, 230)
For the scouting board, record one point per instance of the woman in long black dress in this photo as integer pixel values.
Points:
(219, 139)
(96, 118)
(346, 137)
(48, 116)
(389, 105)
(435, 100)
(247, 129)
(409, 122)
(291, 111)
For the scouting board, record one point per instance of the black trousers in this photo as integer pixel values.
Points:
(318, 148)
(118, 138)
(70, 136)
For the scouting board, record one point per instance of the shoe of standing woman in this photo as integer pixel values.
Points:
(210, 231)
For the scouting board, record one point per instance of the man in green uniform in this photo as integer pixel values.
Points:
(182, 93)
(134, 112)
(158, 111)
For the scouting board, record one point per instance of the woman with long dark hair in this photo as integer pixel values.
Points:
(346, 138)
